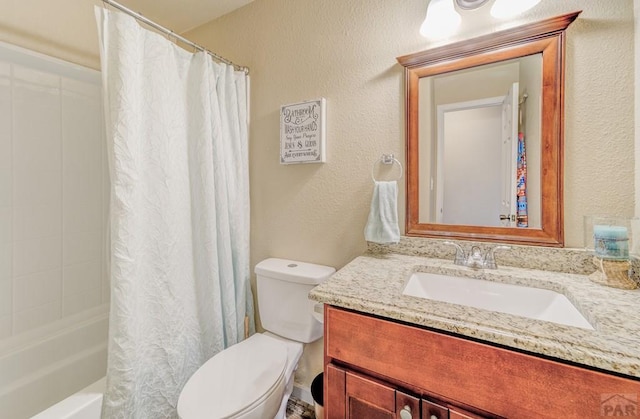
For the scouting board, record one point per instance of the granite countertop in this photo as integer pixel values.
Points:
(373, 284)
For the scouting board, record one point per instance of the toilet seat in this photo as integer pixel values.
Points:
(236, 380)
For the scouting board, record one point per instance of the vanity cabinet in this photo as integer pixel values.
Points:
(375, 368)
(366, 397)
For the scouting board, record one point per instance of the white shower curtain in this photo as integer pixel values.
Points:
(178, 160)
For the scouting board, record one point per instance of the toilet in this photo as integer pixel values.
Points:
(253, 379)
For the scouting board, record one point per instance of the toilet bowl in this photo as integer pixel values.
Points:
(247, 380)
(253, 379)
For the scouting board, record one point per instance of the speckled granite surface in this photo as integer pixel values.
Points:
(373, 283)
(577, 261)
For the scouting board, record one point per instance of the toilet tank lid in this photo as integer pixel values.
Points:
(294, 271)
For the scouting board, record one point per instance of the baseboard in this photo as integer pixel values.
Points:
(302, 393)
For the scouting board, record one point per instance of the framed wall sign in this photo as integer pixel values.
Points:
(302, 132)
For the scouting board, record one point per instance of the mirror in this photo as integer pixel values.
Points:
(470, 148)
(484, 126)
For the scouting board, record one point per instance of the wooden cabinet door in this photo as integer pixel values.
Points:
(407, 407)
(335, 381)
(366, 398)
(349, 395)
(432, 410)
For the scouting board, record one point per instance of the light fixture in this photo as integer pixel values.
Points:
(507, 8)
(441, 20)
(470, 4)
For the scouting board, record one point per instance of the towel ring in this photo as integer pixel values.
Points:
(386, 159)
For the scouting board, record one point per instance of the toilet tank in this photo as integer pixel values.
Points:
(283, 303)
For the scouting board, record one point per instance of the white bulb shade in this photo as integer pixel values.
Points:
(508, 8)
(442, 19)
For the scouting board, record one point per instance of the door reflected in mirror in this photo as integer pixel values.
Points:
(480, 145)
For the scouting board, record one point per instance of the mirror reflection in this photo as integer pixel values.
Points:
(480, 145)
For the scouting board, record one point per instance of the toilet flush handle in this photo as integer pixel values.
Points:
(318, 312)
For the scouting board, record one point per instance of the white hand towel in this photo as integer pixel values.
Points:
(382, 225)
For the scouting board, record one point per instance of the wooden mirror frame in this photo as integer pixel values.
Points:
(546, 37)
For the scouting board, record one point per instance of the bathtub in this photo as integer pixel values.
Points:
(41, 367)
(85, 404)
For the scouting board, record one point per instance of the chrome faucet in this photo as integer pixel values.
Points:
(490, 257)
(475, 259)
(461, 257)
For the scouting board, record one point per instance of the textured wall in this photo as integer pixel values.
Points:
(599, 116)
(636, 13)
(64, 29)
(345, 51)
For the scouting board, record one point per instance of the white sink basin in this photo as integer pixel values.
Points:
(534, 303)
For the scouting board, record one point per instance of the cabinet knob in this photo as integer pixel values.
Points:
(433, 417)
(405, 413)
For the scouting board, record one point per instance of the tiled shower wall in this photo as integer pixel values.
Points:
(53, 191)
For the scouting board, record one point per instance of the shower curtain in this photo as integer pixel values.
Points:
(522, 217)
(179, 214)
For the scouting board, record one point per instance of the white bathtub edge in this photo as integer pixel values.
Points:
(86, 402)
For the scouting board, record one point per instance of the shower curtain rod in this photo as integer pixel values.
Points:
(171, 33)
